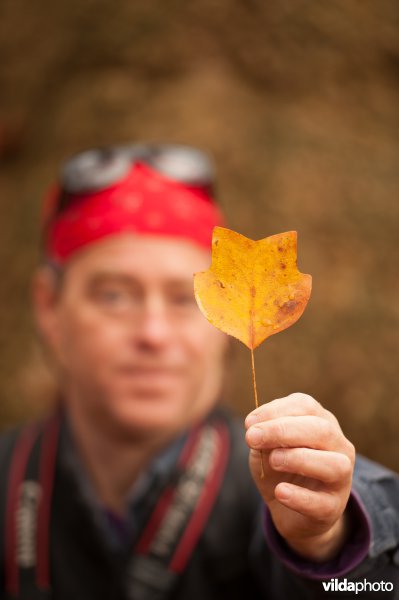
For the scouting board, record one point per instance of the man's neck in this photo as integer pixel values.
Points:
(112, 462)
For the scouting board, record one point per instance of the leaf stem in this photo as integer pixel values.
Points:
(254, 378)
(262, 471)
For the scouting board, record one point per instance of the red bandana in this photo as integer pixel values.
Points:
(143, 202)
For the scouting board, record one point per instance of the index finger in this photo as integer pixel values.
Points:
(294, 405)
(306, 431)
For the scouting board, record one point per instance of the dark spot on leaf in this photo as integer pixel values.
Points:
(221, 284)
(289, 307)
(280, 249)
(283, 265)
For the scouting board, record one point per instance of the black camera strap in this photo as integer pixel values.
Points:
(166, 542)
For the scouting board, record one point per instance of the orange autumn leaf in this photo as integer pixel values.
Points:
(253, 289)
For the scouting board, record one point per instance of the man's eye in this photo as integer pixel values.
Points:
(113, 297)
(183, 299)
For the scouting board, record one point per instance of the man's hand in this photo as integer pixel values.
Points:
(308, 465)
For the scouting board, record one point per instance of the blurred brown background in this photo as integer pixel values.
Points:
(298, 103)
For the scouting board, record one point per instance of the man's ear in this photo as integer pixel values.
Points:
(45, 300)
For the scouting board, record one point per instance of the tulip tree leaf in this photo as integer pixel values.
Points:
(253, 289)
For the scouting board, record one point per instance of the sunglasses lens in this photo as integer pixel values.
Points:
(182, 163)
(94, 170)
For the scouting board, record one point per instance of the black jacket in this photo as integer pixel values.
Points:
(231, 560)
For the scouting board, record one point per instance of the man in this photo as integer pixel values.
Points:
(139, 487)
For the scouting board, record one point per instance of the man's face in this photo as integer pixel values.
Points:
(134, 350)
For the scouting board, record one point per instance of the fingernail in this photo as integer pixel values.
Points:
(278, 458)
(250, 420)
(284, 492)
(255, 436)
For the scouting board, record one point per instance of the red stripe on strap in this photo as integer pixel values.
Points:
(204, 505)
(48, 453)
(156, 518)
(18, 466)
(166, 498)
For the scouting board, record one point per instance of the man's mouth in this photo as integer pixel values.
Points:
(144, 373)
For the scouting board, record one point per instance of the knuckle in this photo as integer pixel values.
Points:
(328, 509)
(312, 403)
(306, 499)
(308, 402)
(278, 459)
(325, 430)
(345, 467)
(351, 452)
(300, 456)
(281, 430)
(332, 418)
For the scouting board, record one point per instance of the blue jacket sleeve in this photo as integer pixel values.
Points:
(371, 553)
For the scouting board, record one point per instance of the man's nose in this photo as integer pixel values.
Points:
(153, 328)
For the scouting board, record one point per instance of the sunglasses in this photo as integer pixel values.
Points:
(98, 169)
